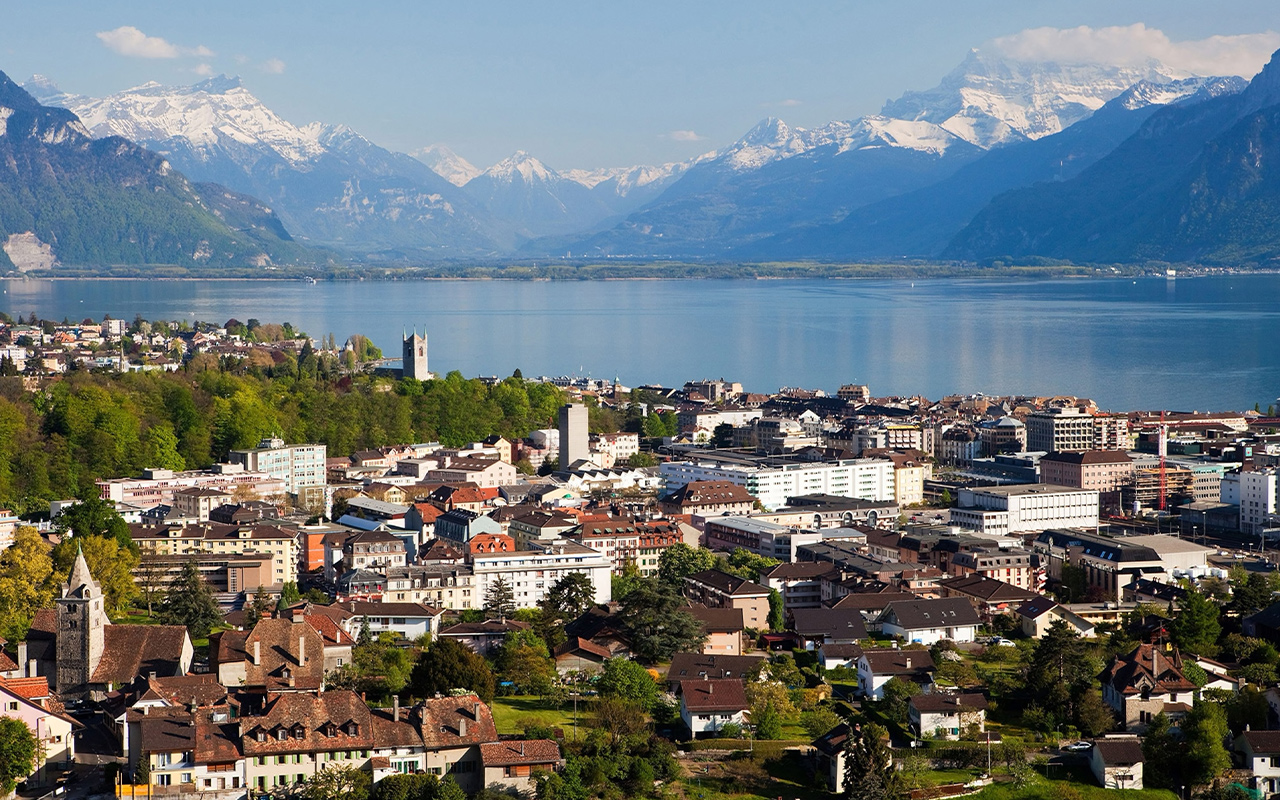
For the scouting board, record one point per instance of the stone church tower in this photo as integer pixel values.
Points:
(80, 638)
(414, 356)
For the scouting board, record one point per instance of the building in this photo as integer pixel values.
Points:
(1060, 430)
(1145, 683)
(759, 536)
(772, 480)
(1258, 490)
(373, 550)
(1005, 435)
(450, 586)
(1102, 470)
(574, 440)
(878, 666)
(510, 766)
(931, 621)
(413, 356)
(609, 449)
(1260, 751)
(988, 596)
(1025, 508)
(1116, 762)
(830, 749)
(820, 626)
(300, 466)
(30, 701)
(946, 715)
(1111, 563)
(197, 502)
(629, 542)
(708, 705)
(699, 666)
(723, 627)
(406, 620)
(708, 499)
(157, 486)
(799, 583)
(530, 573)
(77, 645)
(460, 525)
(485, 637)
(717, 589)
(486, 473)
(1038, 615)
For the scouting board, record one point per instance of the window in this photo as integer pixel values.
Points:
(186, 777)
(164, 779)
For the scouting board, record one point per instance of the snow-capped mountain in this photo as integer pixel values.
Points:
(777, 177)
(540, 201)
(447, 164)
(327, 182)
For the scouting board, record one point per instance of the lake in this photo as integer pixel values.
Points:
(1197, 343)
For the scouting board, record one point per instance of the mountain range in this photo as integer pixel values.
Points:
(1001, 160)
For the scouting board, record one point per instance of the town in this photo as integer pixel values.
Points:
(238, 561)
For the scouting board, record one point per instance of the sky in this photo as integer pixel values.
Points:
(597, 84)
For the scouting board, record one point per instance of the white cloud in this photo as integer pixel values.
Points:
(1136, 45)
(683, 136)
(790, 103)
(241, 58)
(273, 65)
(203, 69)
(129, 41)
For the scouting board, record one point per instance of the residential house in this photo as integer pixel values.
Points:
(1147, 682)
(709, 498)
(723, 627)
(511, 765)
(830, 750)
(818, 626)
(799, 583)
(460, 525)
(1260, 751)
(945, 715)
(530, 573)
(374, 550)
(698, 666)
(878, 666)
(931, 621)
(580, 655)
(483, 637)
(30, 701)
(708, 705)
(1040, 612)
(1116, 762)
(718, 589)
(832, 655)
(187, 750)
(406, 620)
(989, 597)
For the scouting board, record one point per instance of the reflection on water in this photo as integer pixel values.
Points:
(1193, 343)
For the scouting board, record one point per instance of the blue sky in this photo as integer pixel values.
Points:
(586, 84)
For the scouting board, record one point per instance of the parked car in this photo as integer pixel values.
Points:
(1077, 747)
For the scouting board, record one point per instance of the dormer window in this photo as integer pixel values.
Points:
(330, 729)
(353, 729)
(262, 735)
(299, 732)
(281, 733)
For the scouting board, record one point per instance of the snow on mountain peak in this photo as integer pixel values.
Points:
(520, 163)
(989, 100)
(447, 164)
(213, 114)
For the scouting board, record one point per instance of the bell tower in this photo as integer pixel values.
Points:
(414, 356)
(80, 637)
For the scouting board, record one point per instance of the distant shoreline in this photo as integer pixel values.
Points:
(650, 271)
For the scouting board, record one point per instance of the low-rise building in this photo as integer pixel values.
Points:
(708, 499)
(931, 621)
(530, 573)
(947, 715)
(723, 627)
(718, 589)
(1117, 762)
(227, 543)
(800, 583)
(511, 765)
(1145, 683)
(1102, 470)
(1025, 508)
(1038, 614)
(708, 705)
(878, 666)
(1260, 751)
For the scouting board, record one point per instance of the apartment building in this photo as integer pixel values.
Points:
(300, 466)
(530, 573)
(1060, 430)
(170, 544)
(1025, 508)
(1102, 470)
(773, 480)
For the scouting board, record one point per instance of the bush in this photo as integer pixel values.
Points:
(730, 730)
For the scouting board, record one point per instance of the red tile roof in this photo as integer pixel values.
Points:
(510, 753)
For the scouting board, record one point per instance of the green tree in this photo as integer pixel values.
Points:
(447, 665)
(26, 585)
(868, 766)
(1204, 730)
(680, 560)
(450, 790)
(642, 459)
(406, 787)
(897, 698)
(658, 623)
(1093, 716)
(776, 619)
(626, 679)
(748, 565)
(1060, 672)
(95, 517)
(289, 593)
(190, 602)
(338, 783)
(17, 752)
(500, 600)
(525, 661)
(1196, 628)
(818, 721)
(570, 597)
(1250, 595)
(768, 722)
(260, 606)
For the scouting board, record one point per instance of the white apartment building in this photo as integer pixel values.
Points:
(530, 573)
(158, 486)
(299, 466)
(773, 481)
(1257, 499)
(608, 449)
(1060, 430)
(1024, 508)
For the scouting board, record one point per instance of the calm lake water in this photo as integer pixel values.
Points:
(1191, 344)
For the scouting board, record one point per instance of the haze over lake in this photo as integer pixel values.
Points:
(1195, 343)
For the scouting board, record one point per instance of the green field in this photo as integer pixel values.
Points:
(514, 714)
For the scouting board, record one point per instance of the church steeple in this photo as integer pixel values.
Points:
(80, 582)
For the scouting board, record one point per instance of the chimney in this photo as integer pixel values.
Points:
(395, 708)
(302, 650)
(146, 711)
(151, 676)
(462, 726)
(711, 688)
(257, 654)
(23, 662)
(908, 662)
(522, 747)
(32, 667)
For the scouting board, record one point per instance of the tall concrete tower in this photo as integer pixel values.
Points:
(414, 355)
(574, 444)
(80, 638)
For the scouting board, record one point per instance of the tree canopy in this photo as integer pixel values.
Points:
(190, 602)
(447, 665)
(655, 618)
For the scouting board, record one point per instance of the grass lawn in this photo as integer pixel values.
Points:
(747, 779)
(513, 714)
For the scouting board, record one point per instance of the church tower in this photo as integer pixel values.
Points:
(80, 637)
(414, 356)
